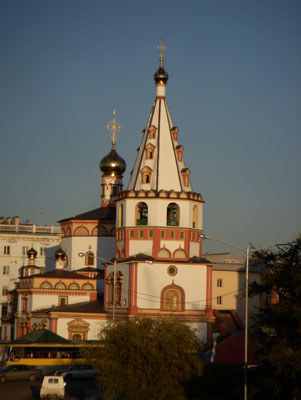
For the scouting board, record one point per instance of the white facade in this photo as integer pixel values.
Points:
(15, 240)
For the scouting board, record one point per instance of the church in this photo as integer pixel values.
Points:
(138, 255)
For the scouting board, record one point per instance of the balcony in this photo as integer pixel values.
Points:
(142, 221)
(172, 222)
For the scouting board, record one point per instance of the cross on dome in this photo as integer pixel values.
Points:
(114, 127)
(161, 48)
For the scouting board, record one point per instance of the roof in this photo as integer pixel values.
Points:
(101, 214)
(41, 336)
(164, 163)
(88, 269)
(59, 273)
(86, 307)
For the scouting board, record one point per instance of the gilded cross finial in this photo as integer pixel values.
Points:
(113, 127)
(161, 48)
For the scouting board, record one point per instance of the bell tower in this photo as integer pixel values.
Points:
(112, 167)
(158, 225)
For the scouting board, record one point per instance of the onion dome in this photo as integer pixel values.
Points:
(32, 253)
(112, 164)
(60, 254)
(161, 76)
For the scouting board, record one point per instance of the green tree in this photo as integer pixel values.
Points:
(145, 359)
(277, 324)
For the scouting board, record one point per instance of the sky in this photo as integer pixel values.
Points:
(233, 92)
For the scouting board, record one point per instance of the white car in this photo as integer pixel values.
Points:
(53, 387)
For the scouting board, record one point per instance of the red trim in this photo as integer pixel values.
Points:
(133, 309)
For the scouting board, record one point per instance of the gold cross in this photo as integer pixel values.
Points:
(113, 127)
(161, 48)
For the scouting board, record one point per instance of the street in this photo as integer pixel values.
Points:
(25, 390)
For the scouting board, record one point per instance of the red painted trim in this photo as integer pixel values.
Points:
(133, 309)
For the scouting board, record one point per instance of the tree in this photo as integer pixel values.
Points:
(277, 324)
(145, 359)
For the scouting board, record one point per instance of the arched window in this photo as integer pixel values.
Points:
(120, 215)
(114, 190)
(87, 286)
(89, 258)
(119, 287)
(141, 214)
(110, 283)
(179, 253)
(152, 132)
(81, 231)
(173, 298)
(173, 214)
(174, 132)
(179, 152)
(195, 217)
(60, 286)
(146, 173)
(73, 286)
(163, 253)
(185, 176)
(150, 150)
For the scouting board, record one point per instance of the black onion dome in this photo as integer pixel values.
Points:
(32, 253)
(112, 164)
(60, 254)
(161, 76)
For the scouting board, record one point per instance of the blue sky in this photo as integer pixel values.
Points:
(233, 91)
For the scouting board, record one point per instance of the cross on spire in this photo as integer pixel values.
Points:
(161, 48)
(113, 127)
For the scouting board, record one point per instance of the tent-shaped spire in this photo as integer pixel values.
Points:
(159, 164)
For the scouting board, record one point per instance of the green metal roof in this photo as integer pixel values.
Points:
(42, 336)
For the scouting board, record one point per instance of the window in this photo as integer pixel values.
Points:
(195, 221)
(4, 291)
(174, 132)
(131, 234)
(185, 176)
(120, 215)
(42, 251)
(73, 286)
(89, 258)
(114, 190)
(141, 234)
(219, 282)
(152, 132)
(162, 234)
(172, 270)
(63, 300)
(146, 173)
(172, 234)
(179, 152)
(46, 285)
(87, 286)
(150, 234)
(219, 300)
(5, 269)
(141, 214)
(24, 250)
(4, 311)
(173, 214)
(60, 286)
(182, 235)
(7, 250)
(150, 149)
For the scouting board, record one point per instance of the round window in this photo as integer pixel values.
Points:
(172, 270)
